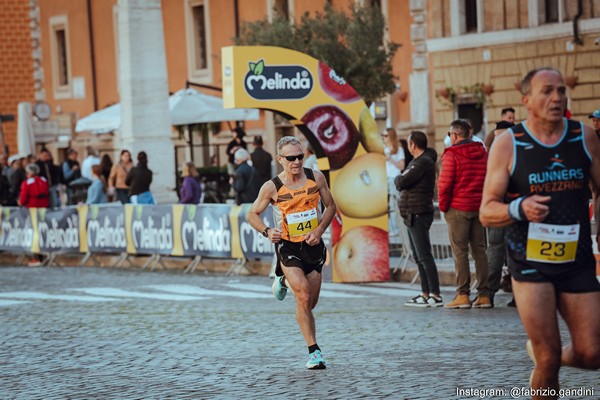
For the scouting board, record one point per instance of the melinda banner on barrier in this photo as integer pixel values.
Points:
(207, 230)
(149, 230)
(16, 233)
(203, 230)
(254, 244)
(57, 230)
(104, 229)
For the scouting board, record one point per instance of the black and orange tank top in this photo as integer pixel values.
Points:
(296, 211)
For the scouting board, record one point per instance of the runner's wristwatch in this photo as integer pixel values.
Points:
(265, 232)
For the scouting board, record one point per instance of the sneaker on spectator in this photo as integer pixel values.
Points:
(512, 303)
(460, 301)
(315, 360)
(279, 291)
(482, 302)
(34, 262)
(417, 301)
(435, 301)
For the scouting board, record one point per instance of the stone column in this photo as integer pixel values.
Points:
(146, 123)
(36, 36)
(419, 78)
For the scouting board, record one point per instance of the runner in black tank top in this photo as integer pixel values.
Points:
(542, 170)
(560, 171)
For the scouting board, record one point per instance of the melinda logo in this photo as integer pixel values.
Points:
(277, 82)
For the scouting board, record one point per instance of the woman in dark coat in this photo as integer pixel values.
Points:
(139, 179)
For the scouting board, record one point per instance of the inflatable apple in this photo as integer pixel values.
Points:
(336, 86)
(335, 132)
(370, 137)
(362, 255)
(336, 228)
(360, 189)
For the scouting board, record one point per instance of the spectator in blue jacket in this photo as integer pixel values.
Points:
(97, 191)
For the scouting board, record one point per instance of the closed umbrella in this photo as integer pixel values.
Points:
(25, 136)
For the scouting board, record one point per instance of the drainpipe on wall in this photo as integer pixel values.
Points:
(576, 38)
(236, 17)
(92, 53)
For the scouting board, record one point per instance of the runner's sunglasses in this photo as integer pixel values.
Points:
(294, 158)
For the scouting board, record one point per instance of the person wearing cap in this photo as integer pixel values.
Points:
(9, 169)
(15, 174)
(595, 117)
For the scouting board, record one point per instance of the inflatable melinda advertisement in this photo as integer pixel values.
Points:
(344, 135)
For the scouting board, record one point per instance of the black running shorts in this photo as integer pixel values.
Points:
(300, 255)
(569, 278)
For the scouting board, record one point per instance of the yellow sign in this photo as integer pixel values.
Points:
(340, 128)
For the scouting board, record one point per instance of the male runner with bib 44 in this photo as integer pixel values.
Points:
(296, 194)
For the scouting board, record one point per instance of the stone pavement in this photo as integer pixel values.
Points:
(100, 333)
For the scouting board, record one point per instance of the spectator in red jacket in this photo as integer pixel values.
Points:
(34, 189)
(460, 187)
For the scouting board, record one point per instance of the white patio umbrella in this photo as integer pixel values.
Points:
(102, 121)
(25, 136)
(186, 106)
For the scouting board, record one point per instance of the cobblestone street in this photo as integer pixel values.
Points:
(91, 333)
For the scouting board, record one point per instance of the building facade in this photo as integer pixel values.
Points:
(80, 43)
(18, 55)
(479, 50)
(459, 58)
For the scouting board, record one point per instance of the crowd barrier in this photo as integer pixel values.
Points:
(200, 231)
(217, 231)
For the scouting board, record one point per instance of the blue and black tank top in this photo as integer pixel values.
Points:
(561, 171)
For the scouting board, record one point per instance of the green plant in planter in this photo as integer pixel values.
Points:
(448, 95)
